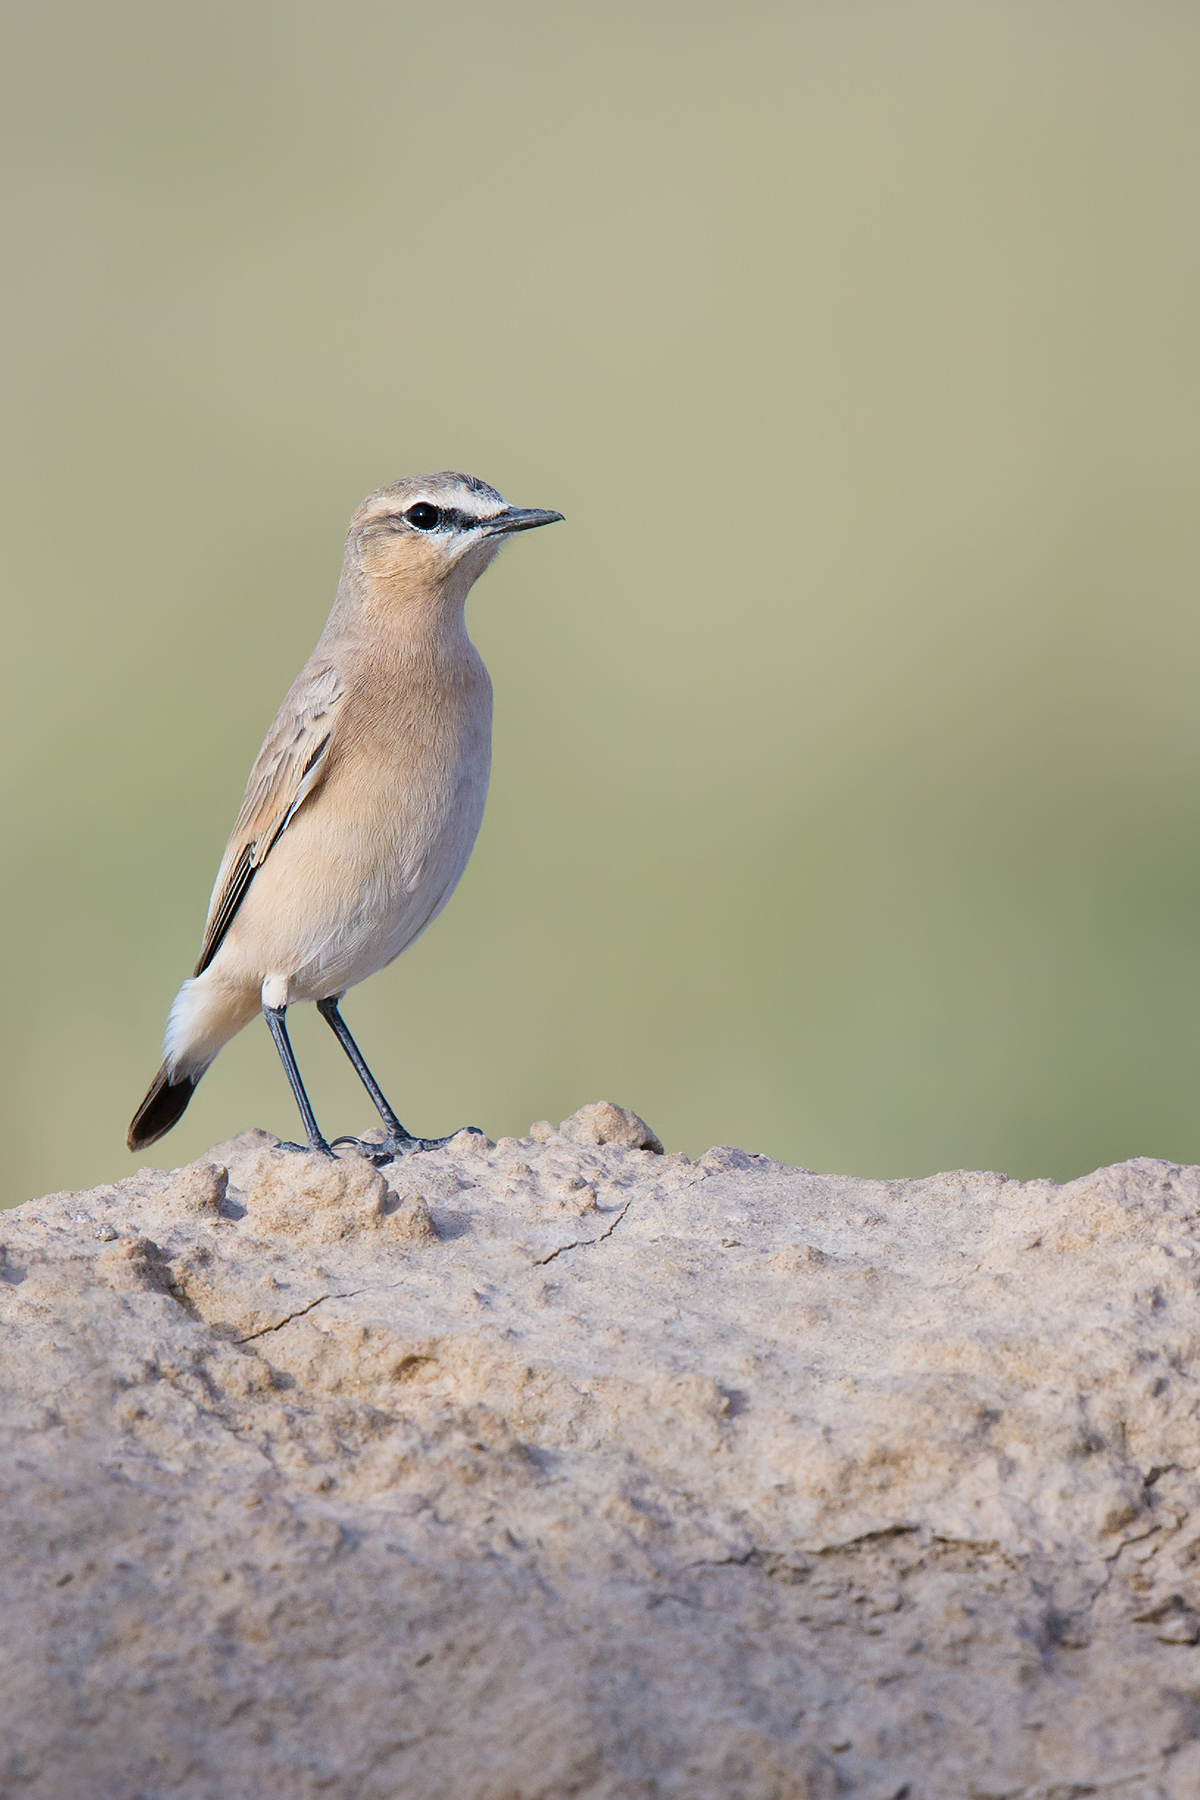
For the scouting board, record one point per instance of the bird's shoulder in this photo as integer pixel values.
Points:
(301, 730)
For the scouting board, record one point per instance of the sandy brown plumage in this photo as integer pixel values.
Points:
(363, 804)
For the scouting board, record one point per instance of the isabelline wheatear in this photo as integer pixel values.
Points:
(362, 808)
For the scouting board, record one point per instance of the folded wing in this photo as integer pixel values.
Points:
(289, 769)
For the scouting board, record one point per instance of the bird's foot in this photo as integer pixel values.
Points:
(320, 1148)
(395, 1144)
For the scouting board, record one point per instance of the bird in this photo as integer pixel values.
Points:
(362, 808)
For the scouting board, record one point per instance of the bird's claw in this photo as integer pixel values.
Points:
(394, 1146)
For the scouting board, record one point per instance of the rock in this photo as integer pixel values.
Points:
(554, 1467)
(604, 1123)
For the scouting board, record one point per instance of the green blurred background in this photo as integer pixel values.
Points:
(846, 800)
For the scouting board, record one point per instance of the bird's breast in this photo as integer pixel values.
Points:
(408, 805)
(372, 858)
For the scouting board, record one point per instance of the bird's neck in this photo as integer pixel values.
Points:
(411, 620)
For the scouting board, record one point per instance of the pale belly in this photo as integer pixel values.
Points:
(350, 885)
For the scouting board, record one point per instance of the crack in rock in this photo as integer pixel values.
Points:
(298, 1314)
(584, 1243)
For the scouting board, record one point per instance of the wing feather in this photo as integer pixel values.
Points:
(289, 768)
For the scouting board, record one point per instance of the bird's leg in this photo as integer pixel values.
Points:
(398, 1141)
(328, 1010)
(287, 1056)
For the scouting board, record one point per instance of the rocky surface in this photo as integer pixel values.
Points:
(565, 1467)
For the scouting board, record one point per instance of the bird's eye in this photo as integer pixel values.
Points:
(424, 516)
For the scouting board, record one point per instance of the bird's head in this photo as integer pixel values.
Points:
(435, 532)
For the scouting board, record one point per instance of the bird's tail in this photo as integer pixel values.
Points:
(205, 1014)
(164, 1106)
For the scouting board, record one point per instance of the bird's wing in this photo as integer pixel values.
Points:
(289, 768)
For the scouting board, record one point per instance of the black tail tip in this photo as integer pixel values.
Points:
(164, 1106)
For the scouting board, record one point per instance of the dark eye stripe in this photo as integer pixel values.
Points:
(457, 521)
(450, 518)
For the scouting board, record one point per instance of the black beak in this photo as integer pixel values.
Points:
(519, 518)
